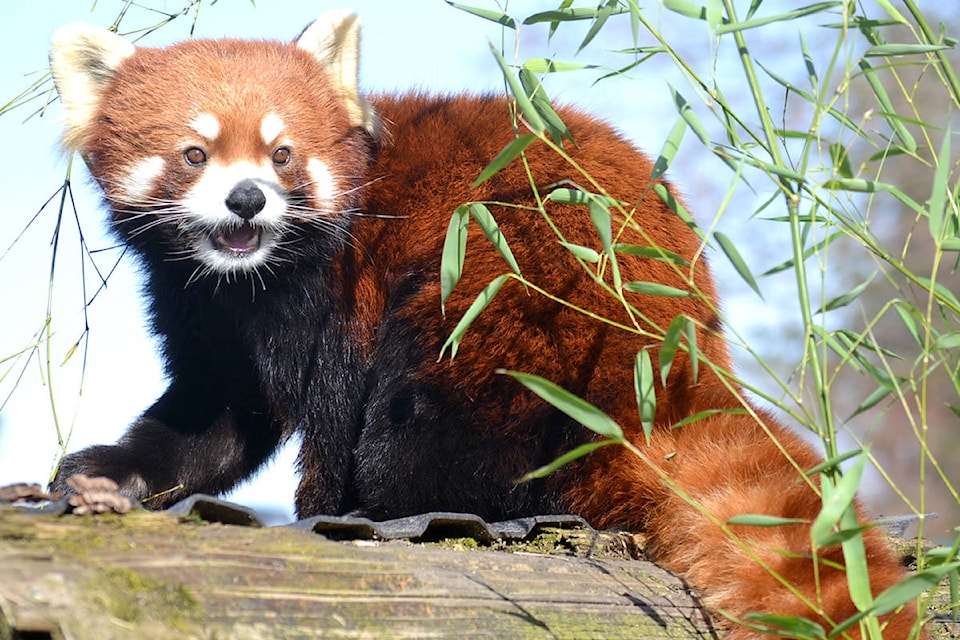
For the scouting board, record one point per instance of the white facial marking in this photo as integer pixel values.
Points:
(271, 128)
(324, 184)
(213, 224)
(207, 125)
(136, 185)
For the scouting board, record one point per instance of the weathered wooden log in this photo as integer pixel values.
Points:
(155, 575)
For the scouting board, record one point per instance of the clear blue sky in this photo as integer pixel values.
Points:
(405, 44)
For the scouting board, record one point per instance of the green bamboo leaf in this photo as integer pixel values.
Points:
(833, 463)
(543, 65)
(564, 195)
(569, 14)
(565, 459)
(782, 626)
(884, 50)
(889, 112)
(671, 342)
(701, 415)
(763, 520)
(523, 102)
(843, 300)
(950, 244)
(678, 208)
(454, 250)
(841, 161)
(689, 116)
(654, 253)
(947, 341)
(603, 13)
(495, 16)
(644, 389)
(940, 192)
(670, 148)
(892, 12)
(842, 349)
(911, 588)
(484, 218)
(538, 97)
(809, 251)
(737, 261)
(475, 309)
(693, 352)
(837, 499)
(808, 63)
(940, 291)
(656, 289)
(709, 13)
(575, 407)
(910, 321)
(602, 222)
(584, 253)
(782, 17)
(509, 153)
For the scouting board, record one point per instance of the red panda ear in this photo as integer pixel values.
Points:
(334, 40)
(83, 60)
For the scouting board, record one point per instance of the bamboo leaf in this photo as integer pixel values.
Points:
(763, 520)
(646, 394)
(495, 16)
(887, 107)
(693, 352)
(843, 300)
(565, 459)
(475, 309)
(654, 253)
(689, 116)
(940, 192)
(678, 208)
(573, 406)
(584, 253)
(884, 50)
(538, 97)
(543, 65)
(671, 342)
(523, 102)
(737, 261)
(670, 148)
(454, 251)
(509, 153)
(837, 499)
(782, 17)
(656, 289)
(911, 588)
(485, 219)
(783, 626)
(569, 14)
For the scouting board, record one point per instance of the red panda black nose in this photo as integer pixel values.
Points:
(245, 199)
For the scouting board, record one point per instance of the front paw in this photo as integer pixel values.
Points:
(101, 461)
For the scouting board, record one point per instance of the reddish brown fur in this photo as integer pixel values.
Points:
(730, 464)
(433, 150)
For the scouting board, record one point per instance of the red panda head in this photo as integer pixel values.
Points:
(224, 149)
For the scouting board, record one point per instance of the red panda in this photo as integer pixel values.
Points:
(291, 229)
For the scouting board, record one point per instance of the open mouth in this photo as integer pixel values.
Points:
(239, 241)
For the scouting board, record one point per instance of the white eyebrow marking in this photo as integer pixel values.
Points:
(137, 184)
(207, 125)
(271, 127)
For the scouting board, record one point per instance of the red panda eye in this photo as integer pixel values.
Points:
(281, 156)
(195, 156)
